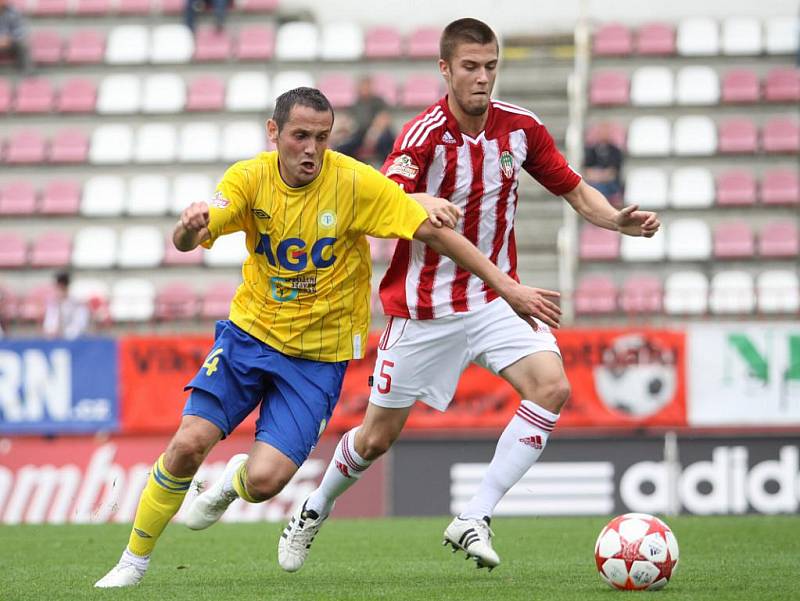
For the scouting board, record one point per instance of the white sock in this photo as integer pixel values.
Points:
(140, 562)
(343, 471)
(519, 447)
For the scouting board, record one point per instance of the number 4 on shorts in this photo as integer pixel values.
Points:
(211, 361)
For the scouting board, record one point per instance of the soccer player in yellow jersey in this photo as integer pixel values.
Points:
(300, 315)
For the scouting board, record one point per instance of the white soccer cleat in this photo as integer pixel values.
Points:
(474, 537)
(208, 507)
(122, 574)
(295, 542)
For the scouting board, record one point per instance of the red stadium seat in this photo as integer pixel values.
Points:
(258, 6)
(424, 42)
(655, 39)
(134, 7)
(738, 135)
(420, 90)
(173, 256)
(339, 88)
(216, 302)
(9, 305)
(49, 8)
(598, 244)
(778, 240)
(740, 86)
(51, 249)
(641, 294)
(206, 93)
(78, 95)
(13, 251)
(172, 7)
(609, 88)
(736, 187)
(782, 85)
(33, 304)
(734, 240)
(34, 95)
(45, 46)
(85, 46)
(256, 43)
(613, 39)
(5, 95)
(211, 45)
(69, 146)
(17, 198)
(92, 7)
(383, 42)
(385, 86)
(595, 295)
(176, 301)
(780, 187)
(26, 147)
(60, 197)
(781, 135)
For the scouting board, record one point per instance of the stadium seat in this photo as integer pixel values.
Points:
(609, 88)
(9, 305)
(69, 146)
(598, 244)
(421, 89)
(85, 46)
(13, 251)
(132, 300)
(647, 187)
(288, 80)
(641, 294)
(781, 135)
(90, 290)
(17, 198)
(216, 302)
(383, 42)
(49, 8)
(134, 7)
(615, 131)
(385, 86)
(5, 95)
(171, 44)
(175, 257)
(258, 6)
(297, 41)
(732, 293)
(741, 36)
(595, 295)
(103, 196)
(734, 240)
(140, 247)
(211, 45)
(697, 86)
(691, 188)
(156, 143)
(698, 36)
(77, 95)
(119, 94)
(164, 93)
(649, 136)
(612, 39)
(255, 43)
(111, 145)
(243, 140)
(46, 47)
(652, 86)
(686, 293)
(92, 8)
(688, 239)
(33, 303)
(248, 91)
(341, 41)
(25, 147)
(740, 86)
(339, 89)
(736, 187)
(424, 42)
(780, 186)
(189, 188)
(172, 7)
(781, 35)
(128, 45)
(60, 197)
(94, 247)
(176, 301)
(778, 291)
(694, 136)
(206, 93)
(738, 135)
(782, 84)
(643, 249)
(34, 95)
(148, 195)
(228, 251)
(655, 39)
(779, 240)
(199, 143)
(51, 249)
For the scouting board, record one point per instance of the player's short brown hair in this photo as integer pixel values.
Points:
(464, 31)
(310, 97)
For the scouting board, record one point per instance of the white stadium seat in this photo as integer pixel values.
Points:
(228, 251)
(652, 86)
(782, 35)
(289, 80)
(697, 86)
(189, 188)
(94, 247)
(686, 293)
(119, 94)
(111, 145)
(688, 240)
(171, 44)
(103, 196)
(132, 299)
(248, 91)
(128, 45)
(647, 187)
(243, 140)
(778, 291)
(148, 195)
(199, 143)
(694, 135)
(732, 292)
(697, 36)
(341, 42)
(692, 188)
(649, 136)
(741, 36)
(156, 143)
(643, 249)
(164, 93)
(297, 41)
(141, 247)
(86, 289)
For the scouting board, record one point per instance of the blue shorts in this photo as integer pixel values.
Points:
(297, 396)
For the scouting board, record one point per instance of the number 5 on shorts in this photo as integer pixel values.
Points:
(387, 377)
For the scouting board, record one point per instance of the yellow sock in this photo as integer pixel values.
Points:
(239, 479)
(160, 501)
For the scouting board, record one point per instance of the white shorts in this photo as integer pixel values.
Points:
(423, 359)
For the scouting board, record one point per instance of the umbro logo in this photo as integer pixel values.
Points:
(261, 214)
(534, 441)
(448, 138)
(142, 533)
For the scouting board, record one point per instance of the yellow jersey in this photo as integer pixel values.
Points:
(306, 288)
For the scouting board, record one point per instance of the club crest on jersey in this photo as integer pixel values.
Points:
(404, 166)
(327, 219)
(507, 164)
(220, 201)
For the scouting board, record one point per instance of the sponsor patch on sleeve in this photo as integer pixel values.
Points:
(220, 201)
(403, 166)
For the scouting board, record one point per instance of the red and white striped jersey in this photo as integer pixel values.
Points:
(481, 176)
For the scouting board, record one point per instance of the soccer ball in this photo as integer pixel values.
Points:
(636, 551)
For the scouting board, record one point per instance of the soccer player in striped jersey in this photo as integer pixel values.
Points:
(470, 149)
(300, 315)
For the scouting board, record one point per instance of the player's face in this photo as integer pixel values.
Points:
(301, 144)
(470, 76)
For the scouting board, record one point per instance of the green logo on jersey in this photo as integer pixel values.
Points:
(507, 164)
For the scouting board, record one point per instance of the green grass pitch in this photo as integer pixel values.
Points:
(548, 559)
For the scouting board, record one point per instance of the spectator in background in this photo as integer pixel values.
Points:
(603, 164)
(372, 136)
(64, 316)
(193, 7)
(13, 37)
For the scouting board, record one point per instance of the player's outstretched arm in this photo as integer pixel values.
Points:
(440, 210)
(595, 208)
(527, 302)
(192, 228)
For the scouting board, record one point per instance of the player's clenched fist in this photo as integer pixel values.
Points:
(535, 302)
(195, 217)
